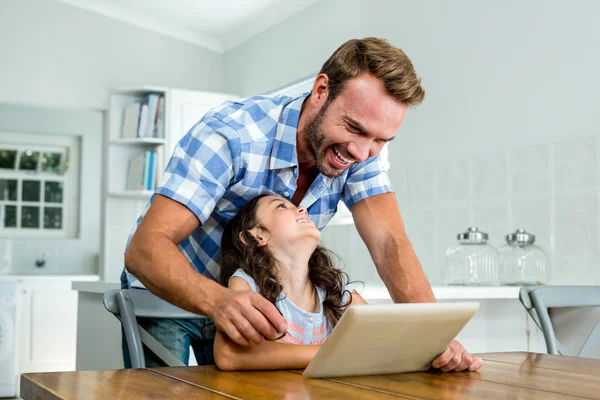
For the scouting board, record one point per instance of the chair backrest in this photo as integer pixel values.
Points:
(126, 305)
(537, 300)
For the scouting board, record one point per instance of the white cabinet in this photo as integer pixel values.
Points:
(47, 325)
(121, 207)
(46, 322)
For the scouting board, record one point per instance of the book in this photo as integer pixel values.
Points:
(143, 125)
(136, 173)
(152, 113)
(159, 126)
(145, 170)
(131, 116)
(151, 171)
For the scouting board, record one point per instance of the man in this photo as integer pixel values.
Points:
(313, 150)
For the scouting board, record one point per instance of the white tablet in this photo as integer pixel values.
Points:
(389, 338)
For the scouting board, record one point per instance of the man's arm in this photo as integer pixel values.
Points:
(154, 258)
(378, 221)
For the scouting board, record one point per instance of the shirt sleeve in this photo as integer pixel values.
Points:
(241, 274)
(366, 179)
(201, 167)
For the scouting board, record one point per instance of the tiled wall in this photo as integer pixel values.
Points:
(550, 190)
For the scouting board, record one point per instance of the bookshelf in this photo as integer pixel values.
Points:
(122, 206)
(132, 194)
(138, 141)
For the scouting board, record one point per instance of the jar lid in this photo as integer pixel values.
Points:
(473, 235)
(520, 236)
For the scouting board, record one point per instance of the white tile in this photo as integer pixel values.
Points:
(421, 185)
(530, 170)
(453, 181)
(349, 252)
(533, 213)
(576, 163)
(398, 177)
(576, 246)
(489, 176)
(449, 222)
(124, 214)
(420, 231)
(491, 217)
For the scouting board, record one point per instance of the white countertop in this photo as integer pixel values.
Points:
(68, 277)
(369, 292)
(95, 287)
(451, 292)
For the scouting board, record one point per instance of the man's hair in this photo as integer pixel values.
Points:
(259, 263)
(379, 58)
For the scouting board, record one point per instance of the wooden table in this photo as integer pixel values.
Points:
(503, 376)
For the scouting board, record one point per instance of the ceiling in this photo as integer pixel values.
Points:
(218, 25)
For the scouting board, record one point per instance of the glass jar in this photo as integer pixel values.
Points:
(521, 261)
(473, 261)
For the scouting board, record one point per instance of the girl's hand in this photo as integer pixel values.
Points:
(456, 358)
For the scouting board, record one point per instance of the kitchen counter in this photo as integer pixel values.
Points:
(501, 323)
(70, 277)
(370, 292)
(95, 287)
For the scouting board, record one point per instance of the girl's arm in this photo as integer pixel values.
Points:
(356, 299)
(230, 356)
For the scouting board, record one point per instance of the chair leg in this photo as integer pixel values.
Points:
(130, 327)
(546, 323)
(590, 344)
(159, 350)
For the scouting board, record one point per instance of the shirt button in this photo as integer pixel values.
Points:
(310, 319)
(286, 193)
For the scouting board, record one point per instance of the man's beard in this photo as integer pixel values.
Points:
(314, 138)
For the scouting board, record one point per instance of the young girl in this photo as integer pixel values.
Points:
(271, 247)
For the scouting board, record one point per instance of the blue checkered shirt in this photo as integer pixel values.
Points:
(239, 150)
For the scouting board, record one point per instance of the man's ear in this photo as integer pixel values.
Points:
(320, 90)
(258, 234)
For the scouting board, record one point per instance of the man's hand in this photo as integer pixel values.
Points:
(247, 317)
(456, 358)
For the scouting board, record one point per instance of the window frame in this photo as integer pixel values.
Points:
(69, 147)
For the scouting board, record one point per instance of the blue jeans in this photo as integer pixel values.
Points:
(176, 335)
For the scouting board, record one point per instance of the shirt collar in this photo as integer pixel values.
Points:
(284, 154)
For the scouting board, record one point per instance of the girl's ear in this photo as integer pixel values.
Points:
(242, 238)
(258, 234)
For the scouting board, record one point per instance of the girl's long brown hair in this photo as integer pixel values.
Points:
(259, 263)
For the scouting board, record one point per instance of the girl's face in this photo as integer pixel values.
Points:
(284, 223)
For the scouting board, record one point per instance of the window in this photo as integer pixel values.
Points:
(343, 216)
(38, 185)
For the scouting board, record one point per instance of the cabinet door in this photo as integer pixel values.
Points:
(185, 108)
(48, 326)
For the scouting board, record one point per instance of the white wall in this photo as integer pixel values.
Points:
(64, 59)
(502, 78)
(65, 256)
(53, 54)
